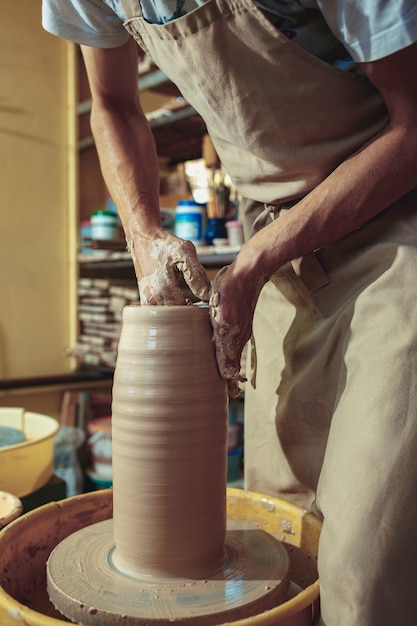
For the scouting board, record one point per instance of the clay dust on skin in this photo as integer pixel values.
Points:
(172, 257)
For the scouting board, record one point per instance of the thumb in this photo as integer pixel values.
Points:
(194, 274)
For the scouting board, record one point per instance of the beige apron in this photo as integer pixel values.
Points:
(280, 118)
(331, 421)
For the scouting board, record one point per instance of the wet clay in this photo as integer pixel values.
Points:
(26, 544)
(169, 441)
(166, 554)
(254, 577)
(227, 339)
(169, 259)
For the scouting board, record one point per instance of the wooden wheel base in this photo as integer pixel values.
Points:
(86, 587)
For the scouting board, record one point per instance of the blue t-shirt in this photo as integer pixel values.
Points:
(333, 30)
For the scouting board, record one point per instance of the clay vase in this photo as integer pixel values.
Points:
(169, 444)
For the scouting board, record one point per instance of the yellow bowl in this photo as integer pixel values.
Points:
(27, 466)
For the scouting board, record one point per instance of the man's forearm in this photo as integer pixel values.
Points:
(129, 164)
(130, 167)
(360, 188)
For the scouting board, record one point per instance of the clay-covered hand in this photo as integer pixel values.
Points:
(232, 304)
(160, 262)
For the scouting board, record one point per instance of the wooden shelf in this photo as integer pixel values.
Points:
(178, 135)
(178, 130)
(82, 375)
(121, 261)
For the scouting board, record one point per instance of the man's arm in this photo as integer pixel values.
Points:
(365, 184)
(129, 164)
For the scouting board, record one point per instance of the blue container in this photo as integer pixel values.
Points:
(189, 221)
(215, 229)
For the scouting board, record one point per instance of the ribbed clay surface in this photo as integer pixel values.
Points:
(169, 439)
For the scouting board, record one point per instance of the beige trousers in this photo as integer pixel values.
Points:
(332, 413)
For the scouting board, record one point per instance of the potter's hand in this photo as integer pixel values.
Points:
(159, 264)
(231, 314)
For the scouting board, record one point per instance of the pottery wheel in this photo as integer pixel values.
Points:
(85, 586)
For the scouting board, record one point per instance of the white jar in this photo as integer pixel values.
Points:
(189, 221)
(235, 233)
(104, 225)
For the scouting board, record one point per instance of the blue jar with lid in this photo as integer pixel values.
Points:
(104, 225)
(189, 221)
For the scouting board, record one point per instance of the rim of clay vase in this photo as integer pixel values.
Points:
(131, 309)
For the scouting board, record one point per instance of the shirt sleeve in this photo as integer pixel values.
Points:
(87, 22)
(371, 29)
